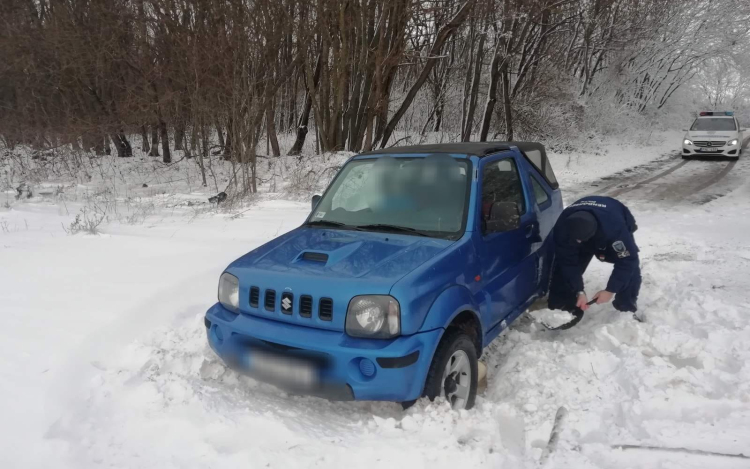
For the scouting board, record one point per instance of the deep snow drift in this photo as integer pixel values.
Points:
(105, 363)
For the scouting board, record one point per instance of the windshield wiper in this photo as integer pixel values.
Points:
(325, 223)
(392, 228)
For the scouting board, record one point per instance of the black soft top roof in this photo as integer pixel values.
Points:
(533, 151)
(467, 148)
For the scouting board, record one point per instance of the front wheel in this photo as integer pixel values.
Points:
(453, 372)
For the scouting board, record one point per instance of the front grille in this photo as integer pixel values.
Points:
(325, 309)
(287, 303)
(709, 144)
(270, 300)
(254, 296)
(305, 306)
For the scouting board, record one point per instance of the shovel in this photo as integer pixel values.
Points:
(577, 316)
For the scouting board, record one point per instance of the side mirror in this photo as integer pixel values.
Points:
(504, 216)
(315, 200)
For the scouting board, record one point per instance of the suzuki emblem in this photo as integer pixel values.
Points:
(286, 303)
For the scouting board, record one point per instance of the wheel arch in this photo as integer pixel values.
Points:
(468, 321)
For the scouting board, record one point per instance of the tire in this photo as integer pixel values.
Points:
(407, 404)
(449, 373)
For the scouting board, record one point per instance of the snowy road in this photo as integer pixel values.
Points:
(675, 180)
(104, 360)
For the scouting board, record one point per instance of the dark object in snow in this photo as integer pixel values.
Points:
(218, 198)
(145, 185)
(23, 188)
(554, 435)
(682, 450)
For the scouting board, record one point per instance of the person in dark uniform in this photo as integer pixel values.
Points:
(601, 227)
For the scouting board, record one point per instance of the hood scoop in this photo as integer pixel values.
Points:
(311, 256)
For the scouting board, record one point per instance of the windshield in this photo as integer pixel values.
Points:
(427, 196)
(714, 123)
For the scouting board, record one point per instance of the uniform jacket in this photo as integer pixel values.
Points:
(613, 242)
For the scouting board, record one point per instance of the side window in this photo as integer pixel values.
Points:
(501, 183)
(539, 193)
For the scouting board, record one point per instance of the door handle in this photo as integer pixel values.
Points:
(530, 230)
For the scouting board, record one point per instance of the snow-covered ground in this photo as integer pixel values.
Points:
(104, 362)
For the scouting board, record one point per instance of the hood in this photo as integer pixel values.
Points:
(339, 254)
(712, 134)
(326, 265)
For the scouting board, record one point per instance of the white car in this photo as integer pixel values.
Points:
(713, 133)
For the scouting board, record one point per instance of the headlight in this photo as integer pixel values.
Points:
(373, 316)
(733, 142)
(229, 291)
(687, 142)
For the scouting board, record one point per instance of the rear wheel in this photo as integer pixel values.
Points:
(453, 372)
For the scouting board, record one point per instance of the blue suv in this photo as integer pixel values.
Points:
(413, 260)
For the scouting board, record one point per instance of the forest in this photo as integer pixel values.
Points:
(229, 77)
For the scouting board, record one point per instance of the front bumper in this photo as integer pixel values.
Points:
(393, 370)
(725, 150)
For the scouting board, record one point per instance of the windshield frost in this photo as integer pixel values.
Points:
(425, 194)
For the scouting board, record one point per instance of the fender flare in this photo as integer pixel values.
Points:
(451, 302)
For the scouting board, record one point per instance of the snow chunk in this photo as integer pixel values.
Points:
(552, 318)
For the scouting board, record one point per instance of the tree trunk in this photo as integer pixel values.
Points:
(154, 141)
(124, 150)
(100, 146)
(179, 135)
(469, 124)
(166, 154)
(304, 118)
(229, 140)
(489, 107)
(468, 82)
(506, 103)
(144, 140)
(271, 129)
(204, 154)
(220, 134)
(89, 142)
(118, 145)
(439, 113)
(442, 36)
(190, 150)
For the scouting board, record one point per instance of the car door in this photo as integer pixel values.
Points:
(507, 257)
(546, 217)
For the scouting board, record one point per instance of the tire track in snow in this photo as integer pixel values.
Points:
(728, 169)
(619, 179)
(677, 186)
(716, 178)
(624, 190)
